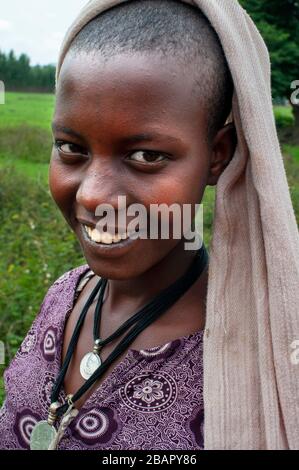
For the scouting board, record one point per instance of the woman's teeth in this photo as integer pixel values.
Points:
(104, 237)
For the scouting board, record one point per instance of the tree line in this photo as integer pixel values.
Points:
(278, 23)
(18, 75)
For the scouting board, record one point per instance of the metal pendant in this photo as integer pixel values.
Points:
(89, 364)
(42, 436)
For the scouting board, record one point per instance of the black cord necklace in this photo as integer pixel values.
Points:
(44, 434)
(92, 360)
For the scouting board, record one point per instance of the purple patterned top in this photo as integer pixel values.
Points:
(152, 399)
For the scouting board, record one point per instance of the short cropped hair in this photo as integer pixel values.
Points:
(173, 29)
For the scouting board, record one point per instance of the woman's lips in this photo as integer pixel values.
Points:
(111, 235)
(109, 250)
(106, 237)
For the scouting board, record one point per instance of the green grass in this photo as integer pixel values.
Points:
(25, 143)
(30, 109)
(293, 152)
(35, 171)
(284, 116)
(291, 159)
(285, 110)
(36, 245)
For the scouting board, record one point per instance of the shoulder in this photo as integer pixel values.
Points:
(56, 303)
(65, 285)
(60, 296)
(41, 342)
(69, 279)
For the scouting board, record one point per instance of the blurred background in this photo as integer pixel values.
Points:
(36, 245)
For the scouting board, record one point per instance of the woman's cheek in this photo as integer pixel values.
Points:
(63, 185)
(173, 189)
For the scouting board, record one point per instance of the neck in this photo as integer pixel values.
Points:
(123, 297)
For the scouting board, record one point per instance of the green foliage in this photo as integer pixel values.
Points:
(278, 23)
(36, 247)
(291, 158)
(208, 202)
(284, 116)
(26, 143)
(17, 74)
(36, 244)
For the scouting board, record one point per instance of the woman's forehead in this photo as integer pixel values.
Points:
(138, 77)
(127, 94)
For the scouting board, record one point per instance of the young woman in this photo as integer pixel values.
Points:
(144, 90)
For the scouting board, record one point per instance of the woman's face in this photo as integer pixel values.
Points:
(129, 126)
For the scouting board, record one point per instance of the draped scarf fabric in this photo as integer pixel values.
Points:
(251, 385)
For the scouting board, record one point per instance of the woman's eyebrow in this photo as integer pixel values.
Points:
(149, 137)
(65, 130)
(132, 139)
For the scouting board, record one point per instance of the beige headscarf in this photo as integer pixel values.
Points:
(251, 385)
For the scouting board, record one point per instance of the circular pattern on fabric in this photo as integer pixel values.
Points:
(149, 392)
(24, 423)
(45, 390)
(196, 426)
(96, 426)
(159, 352)
(48, 345)
(152, 352)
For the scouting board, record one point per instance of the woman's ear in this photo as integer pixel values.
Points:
(223, 149)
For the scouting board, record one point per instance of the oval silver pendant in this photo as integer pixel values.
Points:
(42, 436)
(89, 364)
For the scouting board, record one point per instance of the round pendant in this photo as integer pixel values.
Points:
(42, 436)
(89, 364)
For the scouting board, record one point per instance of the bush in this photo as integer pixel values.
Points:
(291, 161)
(26, 143)
(284, 117)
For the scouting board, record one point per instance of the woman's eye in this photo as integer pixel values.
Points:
(67, 148)
(147, 156)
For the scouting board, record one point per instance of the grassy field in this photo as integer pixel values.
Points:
(32, 109)
(36, 245)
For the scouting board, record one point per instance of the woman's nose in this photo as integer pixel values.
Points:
(100, 185)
